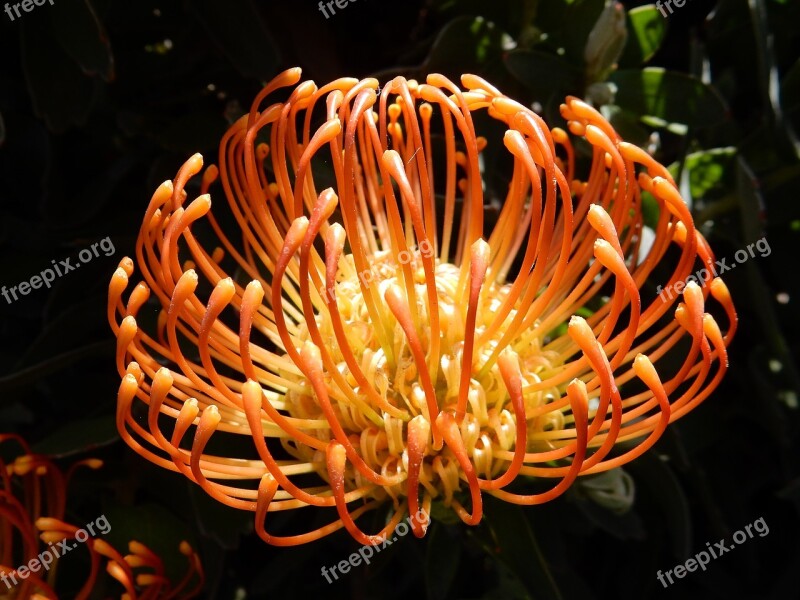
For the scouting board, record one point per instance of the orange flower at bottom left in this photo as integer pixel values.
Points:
(33, 537)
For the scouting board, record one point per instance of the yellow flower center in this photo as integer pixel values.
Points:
(489, 424)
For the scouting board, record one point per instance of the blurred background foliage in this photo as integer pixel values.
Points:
(101, 100)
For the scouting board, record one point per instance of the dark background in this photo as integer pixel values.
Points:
(101, 101)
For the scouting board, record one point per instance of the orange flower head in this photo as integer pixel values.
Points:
(378, 341)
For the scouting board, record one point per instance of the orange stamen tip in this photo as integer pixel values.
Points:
(195, 163)
(48, 524)
(311, 357)
(419, 431)
(296, 232)
(480, 251)
(251, 396)
(579, 328)
(645, 370)
(514, 141)
(210, 418)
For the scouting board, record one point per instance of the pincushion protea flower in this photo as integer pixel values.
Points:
(374, 340)
(32, 486)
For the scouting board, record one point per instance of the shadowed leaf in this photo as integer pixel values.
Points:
(668, 96)
(79, 436)
(441, 562)
(238, 30)
(62, 95)
(83, 37)
(546, 75)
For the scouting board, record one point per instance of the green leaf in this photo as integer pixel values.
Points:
(465, 44)
(546, 75)
(83, 37)
(668, 96)
(625, 124)
(79, 436)
(710, 171)
(238, 30)
(441, 562)
(650, 210)
(646, 31)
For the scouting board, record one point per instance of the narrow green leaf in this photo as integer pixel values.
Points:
(51, 365)
(790, 93)
(752, 206)
(79, 436)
